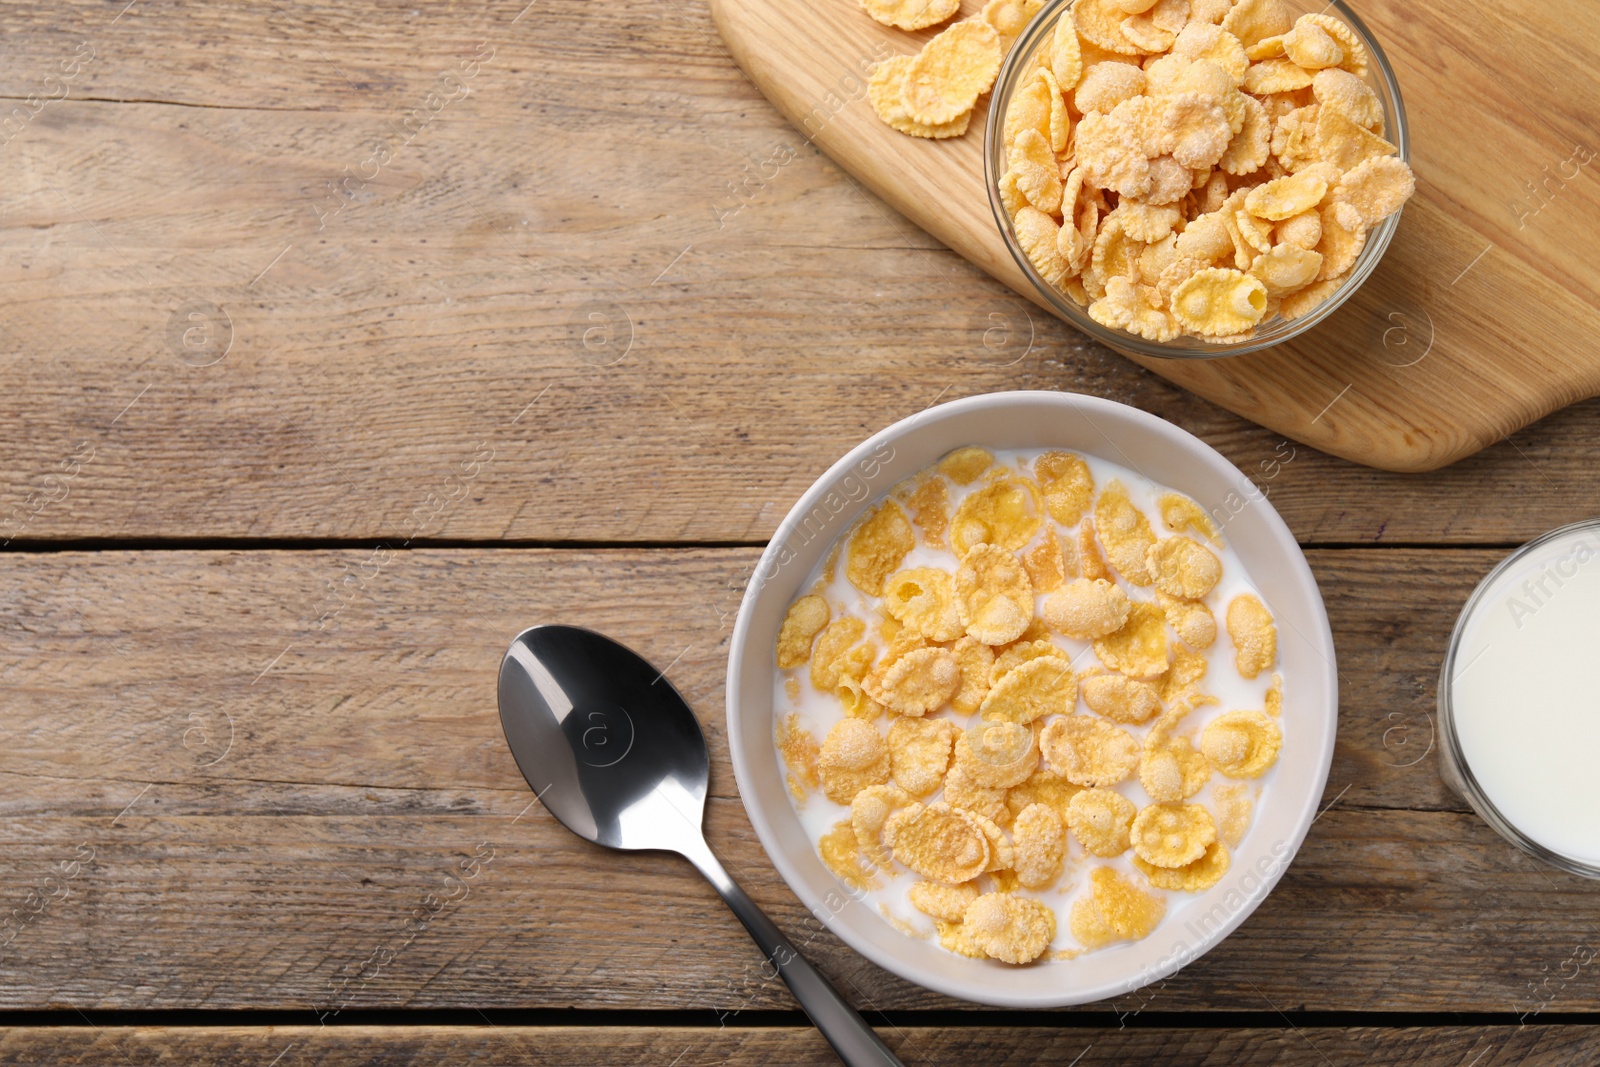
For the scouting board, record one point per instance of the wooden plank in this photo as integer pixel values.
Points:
(370, 358)
(626, 1046)
(255, 805)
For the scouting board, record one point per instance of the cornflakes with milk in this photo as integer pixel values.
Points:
(953, 743)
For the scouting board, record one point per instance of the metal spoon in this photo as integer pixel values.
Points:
(614, 752)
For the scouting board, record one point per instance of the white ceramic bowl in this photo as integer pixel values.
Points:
(1161, 452)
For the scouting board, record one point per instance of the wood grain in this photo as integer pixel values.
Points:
(918, 1046)
(366, 763)
(369, 358)
(1469, 77)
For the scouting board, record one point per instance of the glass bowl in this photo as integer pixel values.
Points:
(1529, 581)
(1380, 77)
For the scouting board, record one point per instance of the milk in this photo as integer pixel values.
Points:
(1524, 692)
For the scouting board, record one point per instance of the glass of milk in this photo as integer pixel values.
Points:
(1519, 699)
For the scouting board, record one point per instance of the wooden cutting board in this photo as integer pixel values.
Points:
(1484, 314)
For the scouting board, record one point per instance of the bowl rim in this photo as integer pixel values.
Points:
(769, 565)
(1120, 340)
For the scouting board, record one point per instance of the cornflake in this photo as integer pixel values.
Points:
(1101, 820)
(799, 750)
(877, 547)
(976, 660)
(1242, 744)
(869, 810)
(997, 755)
(1039, 839)
(838, 655)
(1119, 698)
(924, 598)
(1067, 485)
(1191, 620)
(1139, 649)
(1004, 513)
(1234, 808)
(1040, 687)
(947, 903)
(964, 465)
(1183, 568)
(911, 14)
(1023, 651)
(938, 842)
(1087, 609)
(1013, 929)
(805, 619)
(1254, 636)
(1194, 877)
(988, 801)
(946, 78)
(1171, 769)
(1128, 911)
(1087, 751)
(918, 682)
(1172, 835)
(886, 92)
(1043, 786)
(994, 595)
(1045, 564)
(842, 855)
(853, 757)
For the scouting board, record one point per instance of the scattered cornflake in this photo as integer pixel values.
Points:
(1242, 744)
(911, 14)
(886, 92)
(946, 78)
(1253, 633)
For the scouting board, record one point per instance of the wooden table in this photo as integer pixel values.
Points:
(298, 433)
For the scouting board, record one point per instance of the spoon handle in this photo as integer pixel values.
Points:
(839, 1023)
